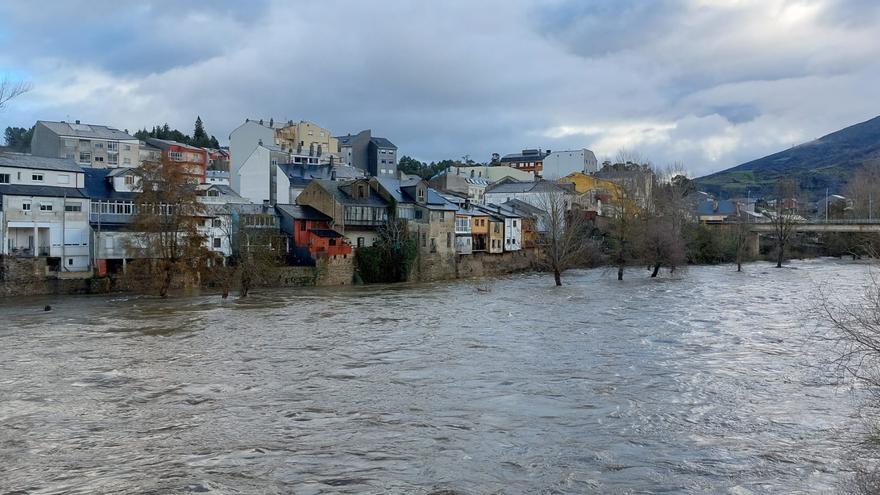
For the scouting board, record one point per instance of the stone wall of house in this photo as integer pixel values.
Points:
(30, 277)
(336, 270)
(490, 265)
(434, 266)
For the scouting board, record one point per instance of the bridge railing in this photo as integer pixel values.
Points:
(845, 221)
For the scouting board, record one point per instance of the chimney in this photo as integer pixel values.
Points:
(332, 175)
(261, 121)
(260, 142)
(319, 150)
(332, 160)
(77, 121)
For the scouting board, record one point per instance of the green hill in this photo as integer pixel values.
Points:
(827, 162)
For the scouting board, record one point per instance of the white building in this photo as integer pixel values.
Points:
(537, 193)
(88, 145)
(558, 164)
(44, 210)
(220, 177)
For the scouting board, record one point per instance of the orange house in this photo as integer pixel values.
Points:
(310, 231)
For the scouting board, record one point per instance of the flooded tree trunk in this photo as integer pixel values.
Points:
(779, 257)
(656, 270)
(557, 276)
(166, 280)
(620, 272)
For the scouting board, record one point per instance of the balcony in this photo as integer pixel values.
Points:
(29, 252)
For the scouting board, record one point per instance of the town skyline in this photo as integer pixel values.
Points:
(453, 79)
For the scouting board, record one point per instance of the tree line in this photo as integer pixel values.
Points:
(199, 138)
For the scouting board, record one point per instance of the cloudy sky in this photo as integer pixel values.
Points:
(710, 83)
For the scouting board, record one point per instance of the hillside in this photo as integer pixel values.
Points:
(827, 162)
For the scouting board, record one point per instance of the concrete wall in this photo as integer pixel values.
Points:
(242, 142)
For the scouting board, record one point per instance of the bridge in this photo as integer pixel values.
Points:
(820, 226)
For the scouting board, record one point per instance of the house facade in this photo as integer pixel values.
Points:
(88, 145)
(530, 160)
(44, 210)
(356, 210)
(192, 159)
(377, 156)
(310, 234)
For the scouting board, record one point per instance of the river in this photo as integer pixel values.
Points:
(708, 383)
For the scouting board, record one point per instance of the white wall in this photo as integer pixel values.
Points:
(558, 164)
(251, 180)
(513, 234)
(242, 142)
(66, 234)
(52, 178)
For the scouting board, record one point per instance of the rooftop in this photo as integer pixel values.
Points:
(46, 191)
(88, 131)
(302, 212)
(98, 185)
(21, 160)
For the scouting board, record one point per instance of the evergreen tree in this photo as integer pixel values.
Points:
(19, 139)
(200, 137)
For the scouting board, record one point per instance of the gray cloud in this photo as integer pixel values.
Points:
(708, 83)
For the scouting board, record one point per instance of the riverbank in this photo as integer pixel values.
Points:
(32, 277)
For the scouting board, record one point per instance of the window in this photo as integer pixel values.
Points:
(63, 179)
(217, 223)
(216, 243)
(73, 207)
(69, 261)
(514, 223)
(4, 178)
(418, 214)
(85, 157)
(360, 242)
(112, 146)
(26, 207)
(332, 242)
(176, 156)
(128, 180)
(112, 159)
(424, 239)
(45, 206)
(99, 146)
(37, 177)
(99, 159)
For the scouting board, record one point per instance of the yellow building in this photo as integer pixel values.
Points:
(584, 183)
(480, 230)
(305, 135)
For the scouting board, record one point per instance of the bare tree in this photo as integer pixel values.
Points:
(566, 243)
(10, 89)
(739, 235)
(864, 190)
(661, 242)
(784, 216)
(623, 230)
(166, 222)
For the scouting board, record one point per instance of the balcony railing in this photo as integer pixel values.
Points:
(29, 252)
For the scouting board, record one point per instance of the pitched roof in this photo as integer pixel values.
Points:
(36, 190)
(98, 185)
(524, 156)
(382, 142)
(523, 208)
(723, 207)
(515, 186)
(88, 131)
(325, 233)
(498, 210)
(167, 143)
(20, 160)
(341, 192)
(302, 212)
